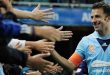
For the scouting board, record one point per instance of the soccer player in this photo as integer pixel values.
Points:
(94, 48)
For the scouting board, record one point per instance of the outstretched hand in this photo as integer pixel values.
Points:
(38, 63)
(43, 15)
(43, 46)
(53, 69)
(48, 32)
(26, 49)
(65, 35)
(53, 34)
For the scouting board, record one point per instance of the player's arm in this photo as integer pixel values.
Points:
(63, 61)
(70, 64)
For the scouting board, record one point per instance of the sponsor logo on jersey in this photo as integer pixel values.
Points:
(104, 44)
(91, 48)
(99, 63)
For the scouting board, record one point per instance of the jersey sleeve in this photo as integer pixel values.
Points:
(16, 43)
(9, 28)
(79, 53)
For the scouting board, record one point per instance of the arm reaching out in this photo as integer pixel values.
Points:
(53, 34)
(35, 14)
(63, 61)
(42, 46)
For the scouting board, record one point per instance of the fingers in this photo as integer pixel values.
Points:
(65, 35)
(44, 46)
(43, 15)
(49, 71)
(50, 43)
(58, 68)
(60, 28)
(28, 52)
(47, 62)
(37, 8)
(61, 35)
(48, 14)
(55, 36)
(45, 40)
(47, 50)
(50, 46)
(47, 10)
(52, 68)
(34, 73)
(44, 55)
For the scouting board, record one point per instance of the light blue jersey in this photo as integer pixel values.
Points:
(96, 51)
(1, 69)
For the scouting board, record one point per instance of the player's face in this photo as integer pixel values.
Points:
(99, 20)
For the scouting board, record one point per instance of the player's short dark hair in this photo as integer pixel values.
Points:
(104, 6)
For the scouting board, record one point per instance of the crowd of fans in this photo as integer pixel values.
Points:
(18, 53)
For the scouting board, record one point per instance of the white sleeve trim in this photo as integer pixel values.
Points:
(25, 29)
(14, 42)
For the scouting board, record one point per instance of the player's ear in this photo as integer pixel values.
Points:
(108, 19)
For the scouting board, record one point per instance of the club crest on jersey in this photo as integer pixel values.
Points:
(91, 48)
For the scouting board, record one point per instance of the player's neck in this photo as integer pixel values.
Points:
(105, 32)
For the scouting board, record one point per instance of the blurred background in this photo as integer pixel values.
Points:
(74, 15)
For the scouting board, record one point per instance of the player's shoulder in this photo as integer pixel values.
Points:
(90, 36)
